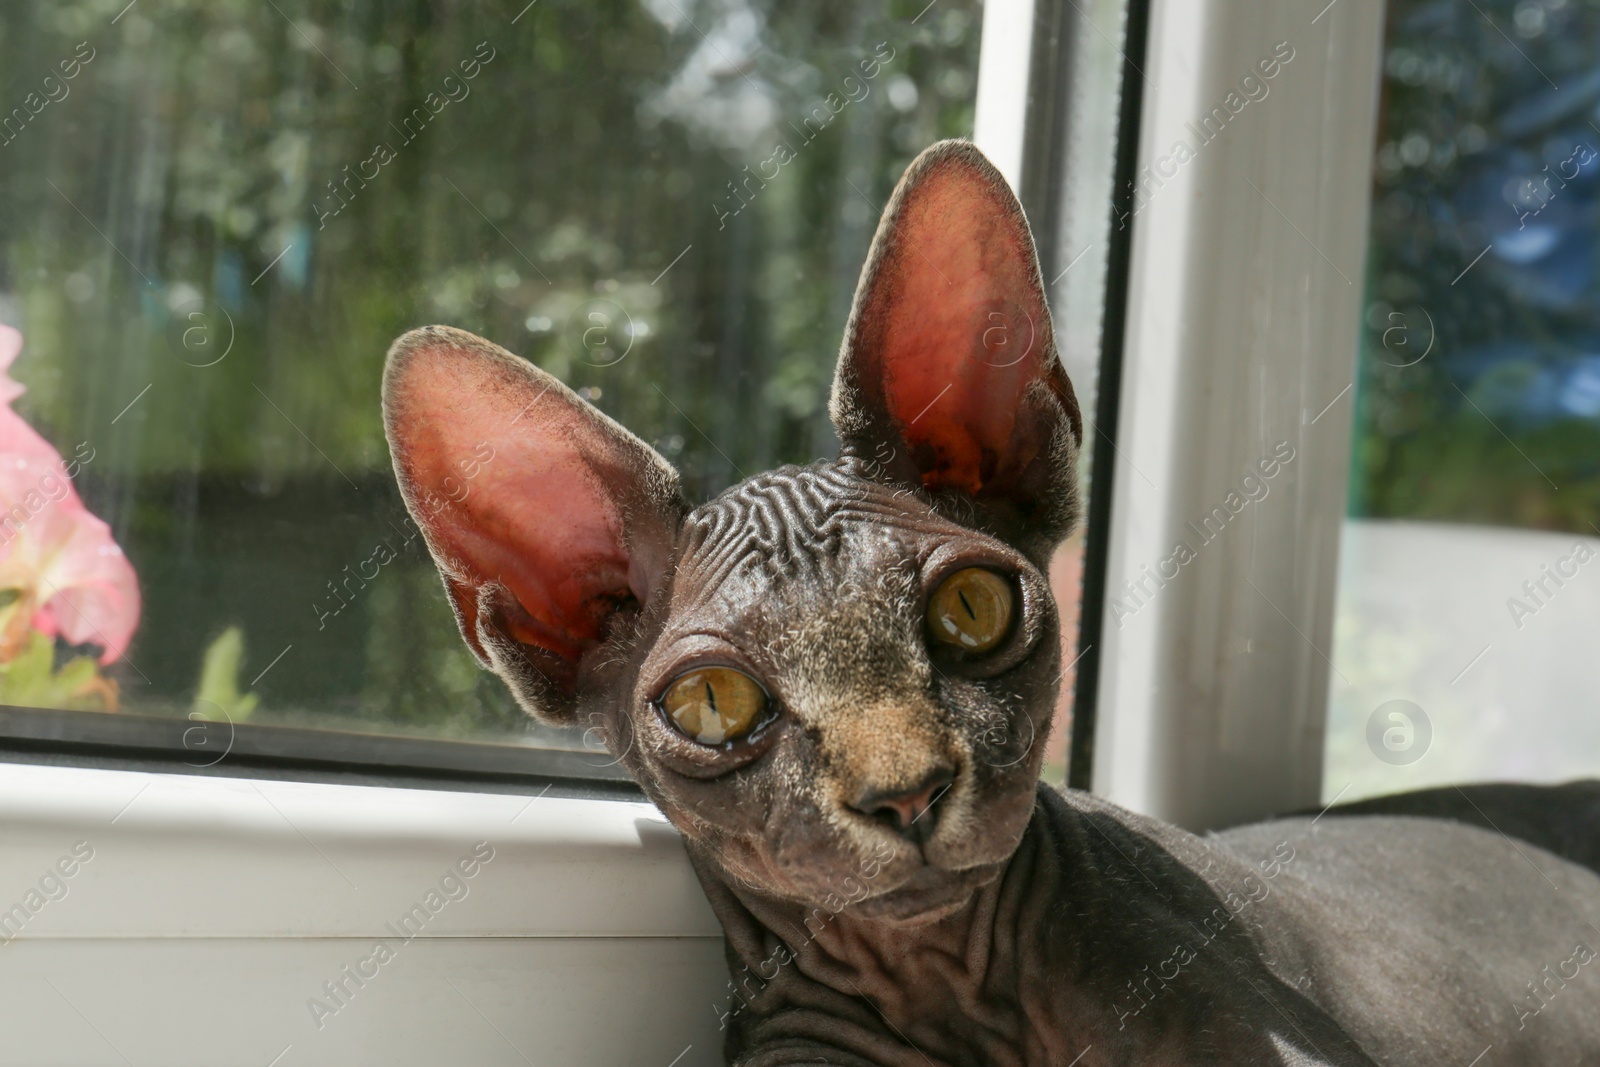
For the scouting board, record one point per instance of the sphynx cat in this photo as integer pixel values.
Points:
(833, 680)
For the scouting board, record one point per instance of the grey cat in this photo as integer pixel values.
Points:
(833, 679)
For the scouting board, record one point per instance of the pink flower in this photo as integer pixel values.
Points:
(58, 563)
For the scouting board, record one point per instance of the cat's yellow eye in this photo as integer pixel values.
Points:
(715, 704)
(971, 610)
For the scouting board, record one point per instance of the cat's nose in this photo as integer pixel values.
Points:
(912, 813)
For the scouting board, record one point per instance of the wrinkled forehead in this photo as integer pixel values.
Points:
(805, 536)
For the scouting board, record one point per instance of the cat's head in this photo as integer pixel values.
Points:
(835, 680)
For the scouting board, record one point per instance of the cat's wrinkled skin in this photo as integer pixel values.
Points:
(1006, 924)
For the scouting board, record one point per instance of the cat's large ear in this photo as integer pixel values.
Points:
(948, 377)
(547, 519)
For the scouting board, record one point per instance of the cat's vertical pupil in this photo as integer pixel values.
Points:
(971, 610)
(714, 705)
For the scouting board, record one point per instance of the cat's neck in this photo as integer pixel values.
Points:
(889, 962)
(961, 986)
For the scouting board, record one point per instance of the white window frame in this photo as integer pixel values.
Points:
(1244, 297)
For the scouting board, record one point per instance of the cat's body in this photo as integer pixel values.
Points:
(835, 680)
(1319, 939)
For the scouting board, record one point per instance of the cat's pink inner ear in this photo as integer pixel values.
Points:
(517, 483)
(951, 328)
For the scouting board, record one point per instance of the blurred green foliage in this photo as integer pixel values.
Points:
(168, 224)
(1479, 396)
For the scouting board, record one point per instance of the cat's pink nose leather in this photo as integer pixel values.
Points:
(910, 813)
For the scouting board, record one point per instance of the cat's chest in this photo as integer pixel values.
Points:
(954, 1000)
(938, 1017)
(937, 1027)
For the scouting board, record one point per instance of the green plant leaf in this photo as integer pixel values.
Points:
(29, 679)
(219, 680)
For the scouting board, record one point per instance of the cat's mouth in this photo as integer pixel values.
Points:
(930, 894)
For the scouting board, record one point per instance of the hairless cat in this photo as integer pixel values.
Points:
(833, 680)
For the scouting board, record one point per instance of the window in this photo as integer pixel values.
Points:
(1469, 594)
(215, 218)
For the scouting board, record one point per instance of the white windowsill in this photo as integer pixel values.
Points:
(213, 911)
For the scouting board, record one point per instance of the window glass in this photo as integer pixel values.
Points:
(1073, 222)
(1470, 579)
(215, 216)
